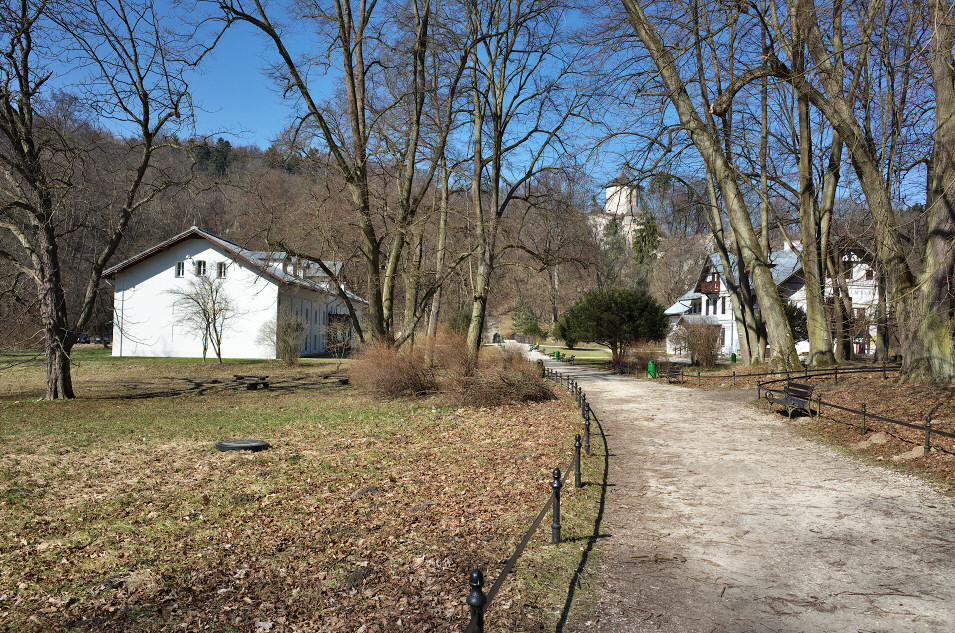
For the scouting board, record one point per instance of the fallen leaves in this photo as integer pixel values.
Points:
(364, 516)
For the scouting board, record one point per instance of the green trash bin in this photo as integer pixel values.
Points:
(652, 369)
(733, 357)
(557, 355)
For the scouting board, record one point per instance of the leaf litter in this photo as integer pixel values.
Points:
(371, 521)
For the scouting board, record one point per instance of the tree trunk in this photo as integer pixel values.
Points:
(439, 256)
(715, 222)
(753, 259)
(817, 321)
(930, 355)
(882, 321)
(412, 278)
(59, 343)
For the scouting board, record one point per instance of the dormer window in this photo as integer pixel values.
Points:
(220, 269)
(180, 269)
(200, 267)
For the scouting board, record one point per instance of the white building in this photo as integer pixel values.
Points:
(257, 283)
(622, 204)
(709, 299)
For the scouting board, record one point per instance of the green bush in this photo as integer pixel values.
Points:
(618, 318)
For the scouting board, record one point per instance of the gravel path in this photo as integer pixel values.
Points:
(720, 518)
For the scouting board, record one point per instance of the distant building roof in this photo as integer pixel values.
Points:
(783, 265)
(682, 304)
(270, 264)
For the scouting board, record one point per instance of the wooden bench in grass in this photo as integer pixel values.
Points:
(795, 396)
(252, 382)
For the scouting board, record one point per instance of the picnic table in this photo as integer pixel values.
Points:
(252, 382)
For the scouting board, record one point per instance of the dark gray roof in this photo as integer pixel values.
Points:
(784, 264)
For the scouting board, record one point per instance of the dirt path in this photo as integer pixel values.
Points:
(720, 518)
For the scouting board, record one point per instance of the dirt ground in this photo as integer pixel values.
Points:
(722, 518)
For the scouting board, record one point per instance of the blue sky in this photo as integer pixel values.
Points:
(233, 97)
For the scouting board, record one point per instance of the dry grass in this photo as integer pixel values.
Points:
(118, 514)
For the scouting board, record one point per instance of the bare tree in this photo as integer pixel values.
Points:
(286, 335)
(702, 49)
(919, 287)
(522, 97)
(206, 310)
(132, 70)
(354, 32)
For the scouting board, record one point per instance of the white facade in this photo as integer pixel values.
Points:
(709, 299)
(621, 204)
(257, 284)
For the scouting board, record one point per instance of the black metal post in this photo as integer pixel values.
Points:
(587, 427)
(928, 435)
(818, 404)
(807, 373)
(863, 419)
(734, 379)
(477, 599)
(759, 391)
(555, 526)
(577, 483)
(583, 404)
(883, 370)
(699, 381)
(836, 374)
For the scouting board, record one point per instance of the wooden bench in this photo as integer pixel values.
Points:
(795, 396)
(252, 382)
(674, 373)
(569, 359)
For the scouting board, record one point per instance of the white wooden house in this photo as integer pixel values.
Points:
(709, 298)
(258, 284)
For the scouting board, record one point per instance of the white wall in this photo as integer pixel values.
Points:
(144, 322)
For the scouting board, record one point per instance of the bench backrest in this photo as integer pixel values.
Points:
(799, 390)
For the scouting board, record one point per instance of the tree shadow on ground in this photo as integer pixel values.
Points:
(172, 387)
(593, 538)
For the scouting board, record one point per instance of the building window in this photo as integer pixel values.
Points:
(869, 274)
(200, 267)
(706, 306)
(180, 269)
(722, 305)
(306, 315)
(220, 269)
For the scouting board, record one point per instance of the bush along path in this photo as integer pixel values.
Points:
(720, 517)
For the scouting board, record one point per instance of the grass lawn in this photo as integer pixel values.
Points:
(118, 514)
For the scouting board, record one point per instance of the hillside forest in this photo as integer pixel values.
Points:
(458, 165)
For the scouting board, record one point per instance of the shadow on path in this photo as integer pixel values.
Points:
(592, 540)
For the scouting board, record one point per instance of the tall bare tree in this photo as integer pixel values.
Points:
(522, 98)
(716, 154)
(355, 32)
(128, 70)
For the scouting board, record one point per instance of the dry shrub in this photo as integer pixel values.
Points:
(635, 360)
(449, 354)
(701, 338)
(444, 364)
(502, 376)
(386, 371)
